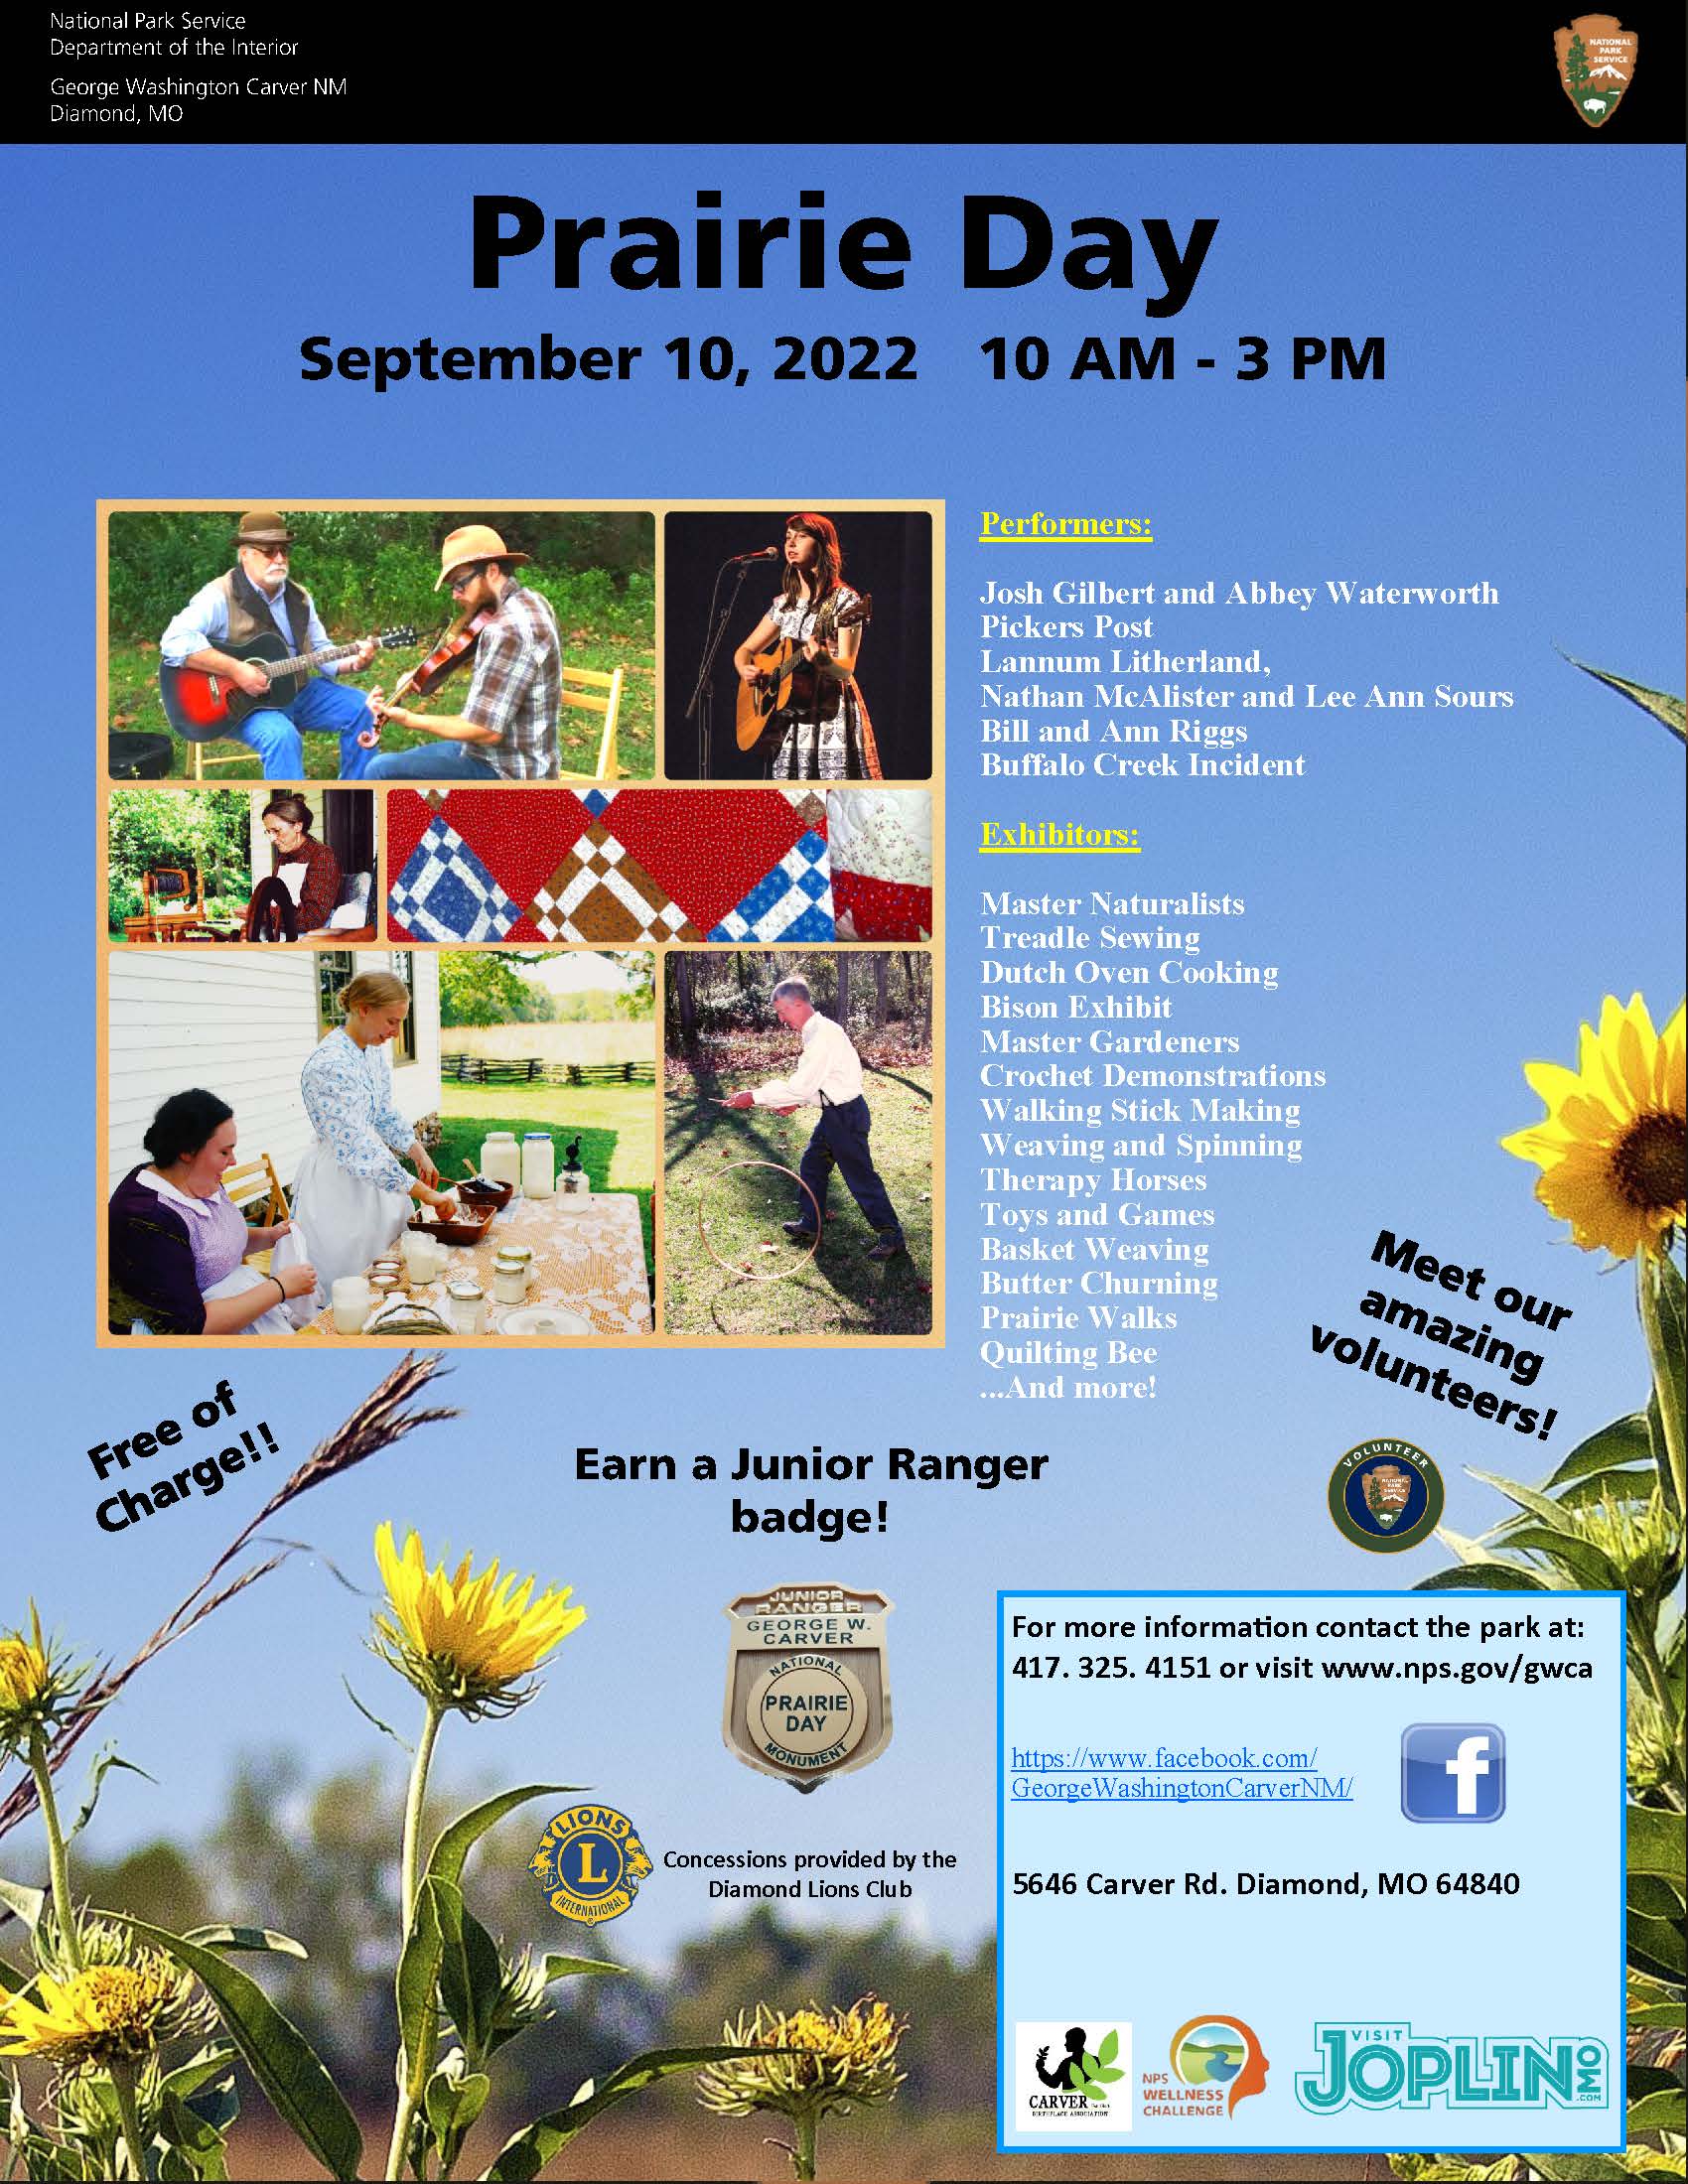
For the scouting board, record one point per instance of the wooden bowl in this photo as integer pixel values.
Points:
(486, 1195)
(469, 1227)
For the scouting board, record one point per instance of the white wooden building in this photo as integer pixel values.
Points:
(241, 1023)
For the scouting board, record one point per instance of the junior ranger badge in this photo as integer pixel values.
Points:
(807, 1692)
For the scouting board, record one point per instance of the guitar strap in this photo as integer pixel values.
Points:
(245, 596)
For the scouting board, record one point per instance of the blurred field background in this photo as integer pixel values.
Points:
(320, 1856)
(371, 570)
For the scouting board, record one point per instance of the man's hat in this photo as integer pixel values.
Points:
(474, 542)
(263, 527)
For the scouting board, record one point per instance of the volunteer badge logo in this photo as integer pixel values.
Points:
(1071, 2079)
(1596, 64)
(1215, 2063)
(1386, 1495)
(590, 1864)
(1453, 1771)
(807, 1693)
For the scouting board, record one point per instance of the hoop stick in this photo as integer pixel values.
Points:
(728, 1266)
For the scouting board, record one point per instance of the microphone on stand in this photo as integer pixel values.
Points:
(762, 553)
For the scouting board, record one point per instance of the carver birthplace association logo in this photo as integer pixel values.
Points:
(807, 1690)
(1215, 2063)
(1596, 64)
(590, 1864)
(1067, 2078)
(1386, 1495)
(1389, 2066)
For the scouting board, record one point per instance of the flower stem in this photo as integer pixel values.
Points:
(804, 2153)
(413, 1815)
(1664, 1354)
(59, 1864)
(404, 2116)
(123, 2084)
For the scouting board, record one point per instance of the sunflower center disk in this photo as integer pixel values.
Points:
(1650, 1163)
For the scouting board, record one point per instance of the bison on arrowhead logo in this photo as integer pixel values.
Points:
(1596, 64)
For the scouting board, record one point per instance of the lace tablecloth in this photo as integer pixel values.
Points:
(587, 1258)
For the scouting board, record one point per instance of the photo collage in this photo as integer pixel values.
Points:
(519, 924)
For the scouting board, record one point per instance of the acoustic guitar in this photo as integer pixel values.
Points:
(202, 705)
(786, 681)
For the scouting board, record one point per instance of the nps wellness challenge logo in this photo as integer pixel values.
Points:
(1215, 2061)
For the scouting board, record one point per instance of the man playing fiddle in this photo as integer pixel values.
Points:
(508, 727)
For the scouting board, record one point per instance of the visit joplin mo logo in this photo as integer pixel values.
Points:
(1596, 64)
(1392, 2067)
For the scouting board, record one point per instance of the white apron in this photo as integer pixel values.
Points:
(340, 1224)
(277, 1320)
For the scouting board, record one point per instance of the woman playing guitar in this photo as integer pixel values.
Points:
(821, 731)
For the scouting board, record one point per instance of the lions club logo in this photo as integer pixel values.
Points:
(590, 1864)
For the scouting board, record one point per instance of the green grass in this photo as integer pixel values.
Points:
(137, 708)
(616, 1125)
(841, 1291)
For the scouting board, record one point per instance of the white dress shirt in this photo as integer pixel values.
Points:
(829, 1064)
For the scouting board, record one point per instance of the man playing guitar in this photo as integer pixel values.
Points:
(258, 597)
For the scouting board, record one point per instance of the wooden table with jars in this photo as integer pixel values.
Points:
(548, 1268)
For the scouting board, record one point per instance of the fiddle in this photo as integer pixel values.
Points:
(455, 649)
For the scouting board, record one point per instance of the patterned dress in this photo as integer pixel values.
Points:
(831, 741)
(351, 1197)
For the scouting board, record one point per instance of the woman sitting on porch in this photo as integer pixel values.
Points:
(302, 887)
(353, 1198)
(179, 1242)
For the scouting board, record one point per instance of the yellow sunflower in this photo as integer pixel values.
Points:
(465, 1640)
(830, 2058)
(1612, 1148)
(34, 1682)
(111, 2014)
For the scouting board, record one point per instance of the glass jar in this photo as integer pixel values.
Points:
(351, 1299)
(509, 1279)
(500, 1158)
(538, 1165)
(469, 1307)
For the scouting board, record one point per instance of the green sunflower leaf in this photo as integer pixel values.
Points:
(264, 1940)
(276, 2052)
(1486, 1576)
(1660, 704)
(447, 1858)
(522, 2157)
(568, 1967)
(24, 1903)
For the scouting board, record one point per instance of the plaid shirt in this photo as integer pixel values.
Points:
(517, 686)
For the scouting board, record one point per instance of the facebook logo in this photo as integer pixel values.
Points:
(1453, 1771)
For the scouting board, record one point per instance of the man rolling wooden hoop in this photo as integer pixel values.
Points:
(828, 1075)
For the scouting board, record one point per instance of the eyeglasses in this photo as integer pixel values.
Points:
(462, 582)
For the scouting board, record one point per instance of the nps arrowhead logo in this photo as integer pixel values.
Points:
(1596, 64)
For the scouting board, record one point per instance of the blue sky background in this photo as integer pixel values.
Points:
(1446, 894)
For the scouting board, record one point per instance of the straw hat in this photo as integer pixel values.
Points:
(263, 527)
(474, 542)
